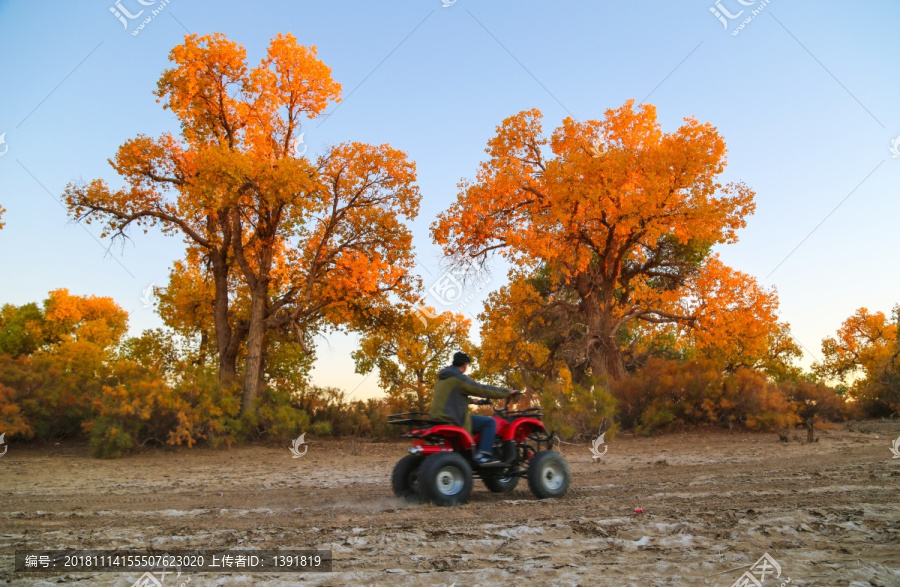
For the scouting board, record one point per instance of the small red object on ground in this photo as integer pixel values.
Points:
(638, 511)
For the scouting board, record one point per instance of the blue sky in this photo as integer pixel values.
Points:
(806, 96)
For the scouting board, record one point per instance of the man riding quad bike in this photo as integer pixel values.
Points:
(446, 456)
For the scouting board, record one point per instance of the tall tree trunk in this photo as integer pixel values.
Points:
(224, 345)
(255, 338)
(263, 363)
(578, 370)
(607, 359)
(603, 352)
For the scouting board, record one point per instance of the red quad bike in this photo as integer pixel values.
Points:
(441, 466)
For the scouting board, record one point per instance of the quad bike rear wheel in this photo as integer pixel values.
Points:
(445, 479)
(502, 484)
(404, 479)
(548, 475)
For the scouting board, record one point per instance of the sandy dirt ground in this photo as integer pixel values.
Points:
(714, 502)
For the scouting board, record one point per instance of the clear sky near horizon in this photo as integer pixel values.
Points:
(806, 96)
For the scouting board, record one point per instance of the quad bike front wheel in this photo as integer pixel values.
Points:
(405, 478)
(548, 475)
(445, 479)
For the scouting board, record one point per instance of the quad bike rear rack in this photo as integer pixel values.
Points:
(414, 419)
(416, 423)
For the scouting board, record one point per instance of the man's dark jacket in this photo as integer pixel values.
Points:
(451, 396)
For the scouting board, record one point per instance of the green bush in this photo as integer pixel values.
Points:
(277, 418)
(321, 428)
(577, 411)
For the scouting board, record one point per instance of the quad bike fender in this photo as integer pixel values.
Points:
(457, 437)
(519, 430)
(502, 424)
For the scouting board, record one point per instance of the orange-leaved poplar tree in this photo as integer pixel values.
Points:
(528, 324)
(408, 352)
(736, 322)
(187, 304)
(611, 220)
(864, 358)
(312, 242)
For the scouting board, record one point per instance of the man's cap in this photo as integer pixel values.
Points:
(460, 358)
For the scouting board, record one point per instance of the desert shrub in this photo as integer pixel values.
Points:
(322, 428)
(12, 421)
(330, 410)
(633, 396)
(574, 410)
(138, 406)
(52, 391)
(108, 438)
(660, 414)
(277, 417)
(65, 371)
(55, 360)
(377, 411)
(691, 390)
(665, 394)
(815, 403)
(750, 399)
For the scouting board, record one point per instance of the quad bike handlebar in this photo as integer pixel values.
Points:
(486, 402)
